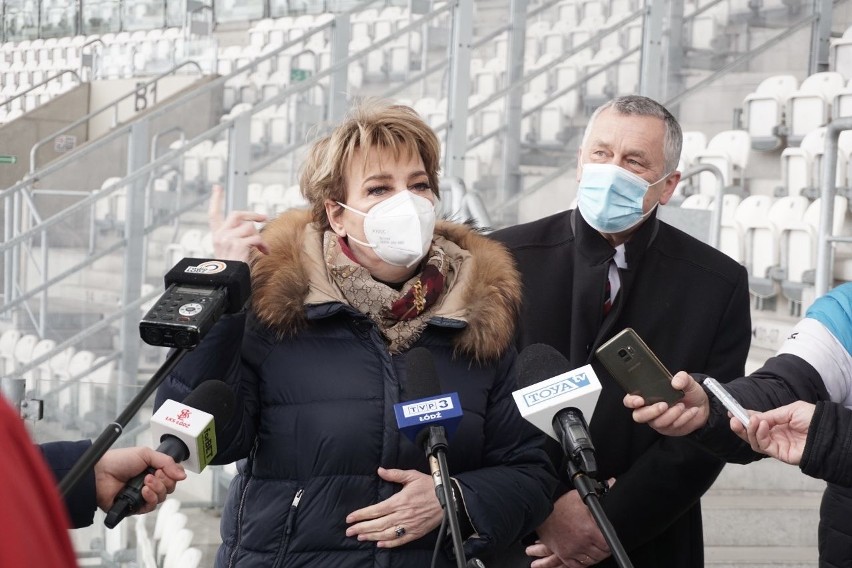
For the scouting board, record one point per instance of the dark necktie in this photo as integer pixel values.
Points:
(607, 296)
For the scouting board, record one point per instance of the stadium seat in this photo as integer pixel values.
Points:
(759, 245)
(165, 511)
(566, 11)
(178, 544)
(564, 76)
(763, 246)
(627, 74)
(70, 377)
(554, 41)
(42, 372)
(600, 88)
(729, 151)
(798, 242)
(144, 547)
(731, 235)
(585, 30)
(809, 106)
(23, 351)
(173, 524)
(841, 54)
(8, 340)
(765, 111)
(705, 31)
(190, 558)
(800, 165)
(92, 407)
(698, 201)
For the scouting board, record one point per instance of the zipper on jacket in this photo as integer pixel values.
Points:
(291, 518)
(288, 527)
(247, 477)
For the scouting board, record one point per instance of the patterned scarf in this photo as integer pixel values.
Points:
(401, 315)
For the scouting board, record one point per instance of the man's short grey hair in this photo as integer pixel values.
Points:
(643, 106)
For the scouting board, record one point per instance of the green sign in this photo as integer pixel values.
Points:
(297, 75)
(8, 159)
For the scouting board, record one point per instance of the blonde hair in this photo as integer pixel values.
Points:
(371, 124)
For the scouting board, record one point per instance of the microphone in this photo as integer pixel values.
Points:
(556, 399)
(187, 433)
(427, 417)
(198, 292)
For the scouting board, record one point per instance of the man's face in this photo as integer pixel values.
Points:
(634, 143)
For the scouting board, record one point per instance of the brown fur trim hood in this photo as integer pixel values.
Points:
(486, 294)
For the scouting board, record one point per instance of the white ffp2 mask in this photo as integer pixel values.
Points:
(399, 229)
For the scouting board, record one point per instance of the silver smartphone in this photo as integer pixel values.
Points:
(725, 397)
(635, 367)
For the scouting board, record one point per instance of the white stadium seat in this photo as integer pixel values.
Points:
(765, 110)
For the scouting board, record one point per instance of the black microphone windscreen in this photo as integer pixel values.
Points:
(233, 275)
(213, 397)
(421, 377)
(539, 362)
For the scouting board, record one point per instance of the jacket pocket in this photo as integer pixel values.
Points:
(288, 529)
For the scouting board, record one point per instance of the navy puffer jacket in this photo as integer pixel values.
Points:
(315, 388)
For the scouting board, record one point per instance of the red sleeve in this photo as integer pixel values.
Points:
(33, 521)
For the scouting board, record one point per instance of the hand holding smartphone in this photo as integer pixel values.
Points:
(635, 367)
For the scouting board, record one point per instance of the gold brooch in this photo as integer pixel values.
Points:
(419, 296)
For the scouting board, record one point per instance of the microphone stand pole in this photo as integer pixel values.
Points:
(111, 433)
(438, 450)
(588, 490)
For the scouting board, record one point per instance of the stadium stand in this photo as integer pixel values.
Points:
(109, 206)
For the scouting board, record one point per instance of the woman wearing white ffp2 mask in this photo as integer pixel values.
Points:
(398, 229)
(342, 295)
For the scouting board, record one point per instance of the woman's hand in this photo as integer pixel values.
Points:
(235, 235)
(402, 518)
(780, 433)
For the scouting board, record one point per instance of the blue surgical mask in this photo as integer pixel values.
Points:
(610, 197)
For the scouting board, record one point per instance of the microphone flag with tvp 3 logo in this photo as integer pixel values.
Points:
(198, 292)
(440, 410)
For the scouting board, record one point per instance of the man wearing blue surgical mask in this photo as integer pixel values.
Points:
(609, 264)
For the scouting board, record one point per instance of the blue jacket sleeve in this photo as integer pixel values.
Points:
(81, 501)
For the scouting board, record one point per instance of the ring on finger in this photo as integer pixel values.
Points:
(400, 531)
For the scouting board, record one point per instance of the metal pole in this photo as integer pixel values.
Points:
(824, 277)
(651, 76)
(510, 185)
(458, 91)
(134, 268)
(820, 36)
(339, 79)
(239, 163)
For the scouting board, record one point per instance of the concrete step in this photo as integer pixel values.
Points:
(766, 475)
(754, 519)
(760, 557)
(760, 515)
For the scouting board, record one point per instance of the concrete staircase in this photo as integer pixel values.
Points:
(761, 515)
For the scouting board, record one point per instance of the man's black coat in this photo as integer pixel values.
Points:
(690, 303)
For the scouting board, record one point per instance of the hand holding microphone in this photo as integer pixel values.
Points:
(119, 466)
(187, 433)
